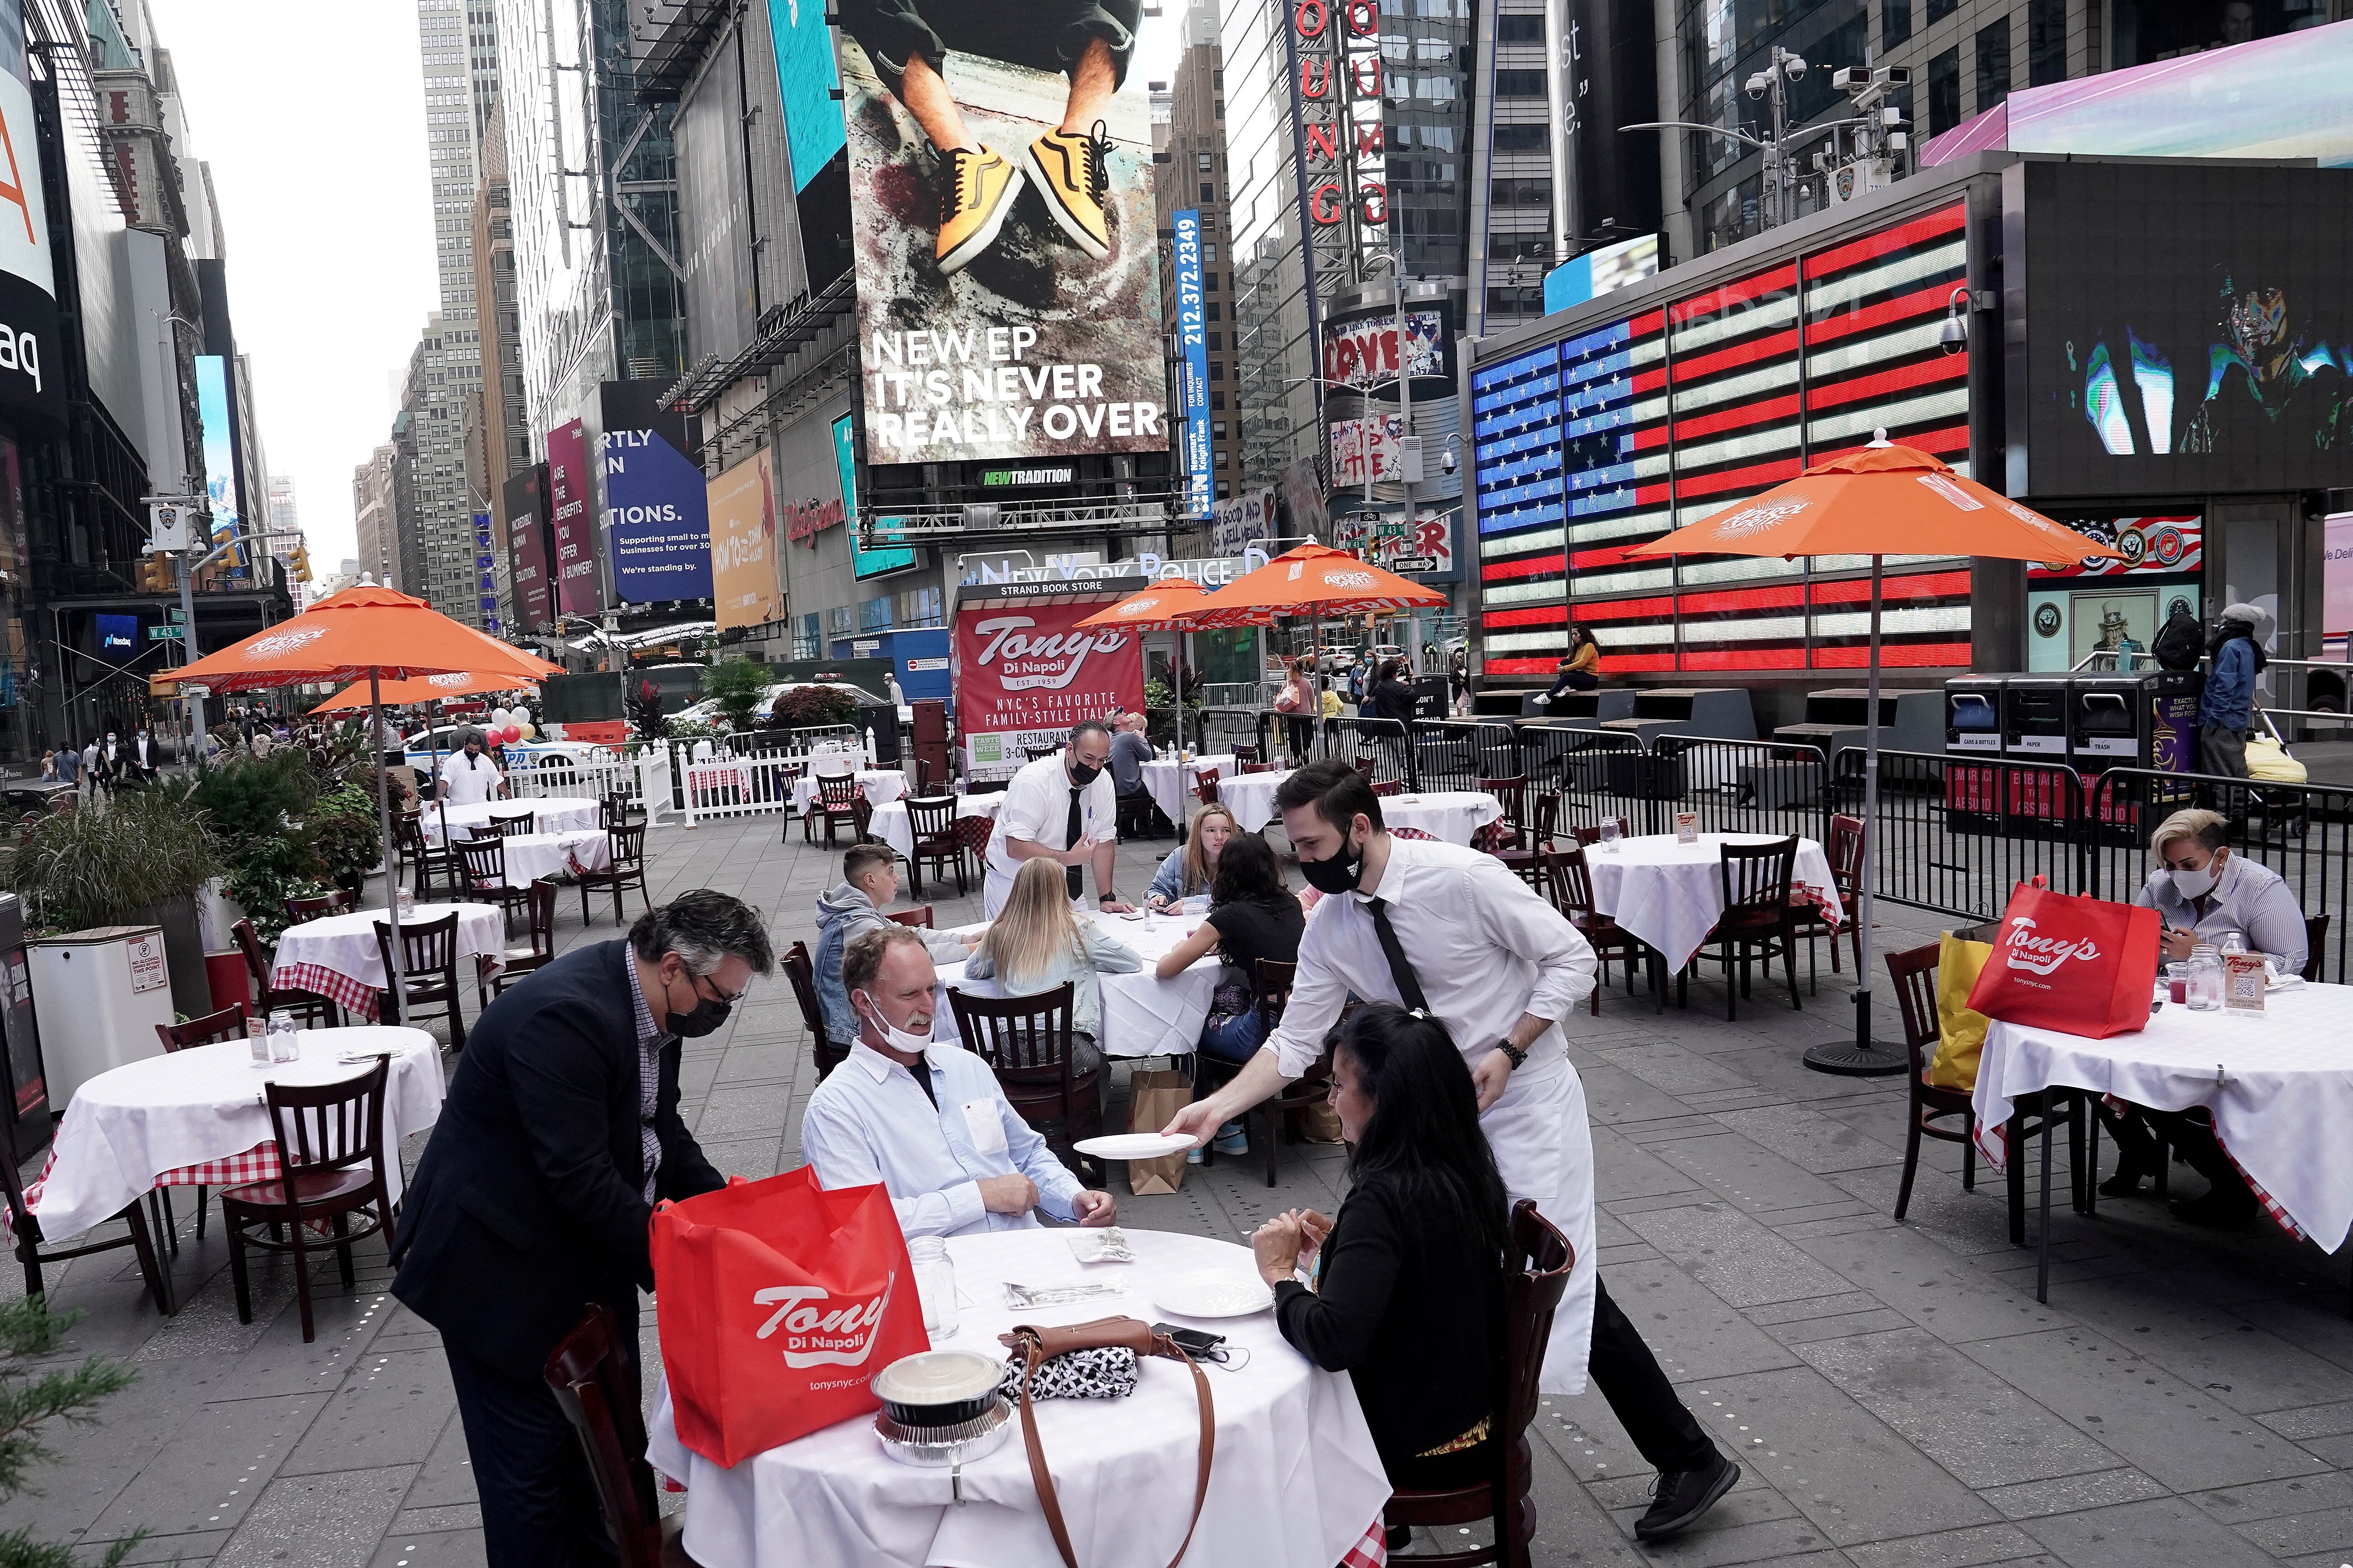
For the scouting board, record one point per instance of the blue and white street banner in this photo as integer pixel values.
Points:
(1193, 337)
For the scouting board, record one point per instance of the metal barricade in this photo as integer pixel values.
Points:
(1379, 743)
(1595, 774)
(2304, 832)
(595, 775)
(1223, 729)
(1750, 786)
(1956, 835)
(1456, 753)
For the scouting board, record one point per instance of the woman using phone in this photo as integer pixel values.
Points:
(1189, 870)
(1038, 940)
(1408, 1280)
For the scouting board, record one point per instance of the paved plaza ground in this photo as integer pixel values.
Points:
(1896, 1395)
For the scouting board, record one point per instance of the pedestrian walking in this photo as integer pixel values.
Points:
(68, 763)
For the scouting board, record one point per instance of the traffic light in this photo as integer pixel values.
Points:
(300, 560)
(156, 574)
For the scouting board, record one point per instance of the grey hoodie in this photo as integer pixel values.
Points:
(843, 915)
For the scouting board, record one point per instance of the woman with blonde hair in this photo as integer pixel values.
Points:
(1191, 871)
(1037, 941)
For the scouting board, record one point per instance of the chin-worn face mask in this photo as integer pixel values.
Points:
(898, 1039)
(1338, 873)
(707, 1014)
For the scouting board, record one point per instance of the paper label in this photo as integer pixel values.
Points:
(146, 955)
(1687, 827)
(2243, 982)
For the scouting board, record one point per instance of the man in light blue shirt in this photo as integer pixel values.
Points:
(925, 1119)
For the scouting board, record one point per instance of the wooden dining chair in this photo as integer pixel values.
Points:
(1205, 786)
(1025, 1041)
(1536, 1280)
(1261, 767)
(931, 825)
(593, 1374)
(428, 969)
(1949, 1115)
(801, 970)
(1245, 753)
(2316, 935)
(330, 1143)
(1756, 925)
(837, 800)
(425, 863)
(213, 1028)
(1844, 849)
(1511, 795)
(1366, 762)
(310, 1008)
(318, 906)
(922, 779)
(483, 862)
(1589, 834)
(539, 903)
(33, 1249)
(1387, 787)
(920, 917)
(510, 826)
(1568, 881)
(627, 871)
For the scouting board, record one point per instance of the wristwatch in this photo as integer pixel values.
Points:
(1513, 1054)
(1106, 897)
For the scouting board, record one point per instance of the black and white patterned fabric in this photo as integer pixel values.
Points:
(1107, 1372)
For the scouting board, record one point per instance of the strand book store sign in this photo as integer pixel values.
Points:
(1024, 671)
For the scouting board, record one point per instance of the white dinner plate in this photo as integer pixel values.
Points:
(1134, 1145)
(1212, 1293)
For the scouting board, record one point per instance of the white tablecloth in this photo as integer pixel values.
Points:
(1142, 1015)
(890, 823)
(2281, 1107)
(127, 1126)
(1293, 1481)
(531, 855)
(550, 813)
(345, 943)
(1451, 814)
(1670, 894)
(879, 783)
(1250, 797)
(1170, 784)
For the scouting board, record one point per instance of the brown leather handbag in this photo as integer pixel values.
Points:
(1035, 1344)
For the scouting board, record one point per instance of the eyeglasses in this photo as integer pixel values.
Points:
(717, 994)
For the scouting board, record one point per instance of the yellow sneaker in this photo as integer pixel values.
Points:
(977, 190)
(1071, 175)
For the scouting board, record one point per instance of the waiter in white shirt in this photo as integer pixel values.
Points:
(468, 777)
(1446, 929)
(1064, 808)
(927, 1118)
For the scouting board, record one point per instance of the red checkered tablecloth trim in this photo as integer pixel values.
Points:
(1373, 1550)
(258, 1163)
(1994, 1141)
(354, 993)
(1819, 902)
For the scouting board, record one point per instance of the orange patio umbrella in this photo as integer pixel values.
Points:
(364, 633)
(1877, 501)
(420, 688)
(1312, 580)
(1161, 607)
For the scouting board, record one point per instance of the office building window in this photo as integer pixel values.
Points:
(1217, 403)
(1218, 427)
(1209, 309)
(1209, 193)
(1217, 370)
(1225, 490)
(1894, 22)
(1945, 92)
(920, 607)
(1209, 253)
(1218, 342)
(841, 620)
(1519, 29)
(1993, 63)
(2046, 42)
(1219, 461)
(1520, 84)
(874, 614)
(1520, 139)
(1940, 9)
(1204, 162)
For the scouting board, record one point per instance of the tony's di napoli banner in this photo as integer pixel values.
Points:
(1024, 673)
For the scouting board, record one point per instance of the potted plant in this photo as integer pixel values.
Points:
(139, 862)
(737, 686)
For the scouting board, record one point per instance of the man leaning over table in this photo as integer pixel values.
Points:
(533, 1197)
(1062, 808)
(925, 1119)
(1444, 930)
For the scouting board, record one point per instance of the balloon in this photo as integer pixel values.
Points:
(527, 730)
(510, 735)
(498, 718)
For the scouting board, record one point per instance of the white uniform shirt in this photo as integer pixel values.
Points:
(869, 1121)
(1484, 946)
(471, 780)
(1038, 809)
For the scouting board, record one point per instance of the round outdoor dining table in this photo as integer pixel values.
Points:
(531, 855)
(1171, 785)
(196, 1118)
(890, 823)
(1250, 797)
(549, 813)
(1452, 814)
(337, 956)
(1670, 894)
(1295, 1482)
(1142, 1015)
(880, 785)
(2279, 1085)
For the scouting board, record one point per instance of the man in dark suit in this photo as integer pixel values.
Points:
(560, 1133)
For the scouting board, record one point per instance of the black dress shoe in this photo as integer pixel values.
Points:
(2218, 1209)
(2125, 1184)
(1680, 1497)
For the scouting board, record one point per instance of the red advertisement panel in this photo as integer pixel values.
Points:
(1024, 674)
(576, 520)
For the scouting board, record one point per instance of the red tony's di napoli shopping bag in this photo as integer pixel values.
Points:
(777, 1301)
(2081, 966)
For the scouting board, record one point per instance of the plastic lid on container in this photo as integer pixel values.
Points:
(938, 1377)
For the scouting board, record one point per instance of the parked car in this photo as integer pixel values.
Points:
(1333, 660)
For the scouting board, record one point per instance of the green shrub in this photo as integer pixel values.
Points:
(31, 1396)
(809, 707)
(87, 867)
(347, 837)
(737, 686)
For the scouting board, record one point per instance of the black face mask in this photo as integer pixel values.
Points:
(1083, 773)
(1337, 873)
(707, 1014)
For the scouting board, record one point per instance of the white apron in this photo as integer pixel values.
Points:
(1544, 1150)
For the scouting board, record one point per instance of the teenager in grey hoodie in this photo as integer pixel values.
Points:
(870, 883)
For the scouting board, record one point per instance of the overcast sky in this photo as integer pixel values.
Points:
(311, 116)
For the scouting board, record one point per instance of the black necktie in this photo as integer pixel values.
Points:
(1400, 968)
(1071, 874)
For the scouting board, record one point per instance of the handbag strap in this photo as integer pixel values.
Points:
(1131, 1334)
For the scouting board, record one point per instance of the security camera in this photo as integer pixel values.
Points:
(1450, 462)
(1795, 66)
(1758, 85)
(1847, 78)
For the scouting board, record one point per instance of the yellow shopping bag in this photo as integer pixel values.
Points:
(1961, 1033)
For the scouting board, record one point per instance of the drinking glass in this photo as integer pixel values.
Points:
(934, 1284)
(1610, 835)
(285, 1043)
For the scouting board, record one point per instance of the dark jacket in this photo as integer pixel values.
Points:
(1394, 699)
(529, 1203)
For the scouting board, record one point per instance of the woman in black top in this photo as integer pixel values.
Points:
(1251, 916)
(1409, 1279)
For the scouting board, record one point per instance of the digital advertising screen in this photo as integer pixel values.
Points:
(747, 588)
(526, 507)
(116, 636)
(2190, 329)
(657, 527)
(572, 521)
(1008, 300)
